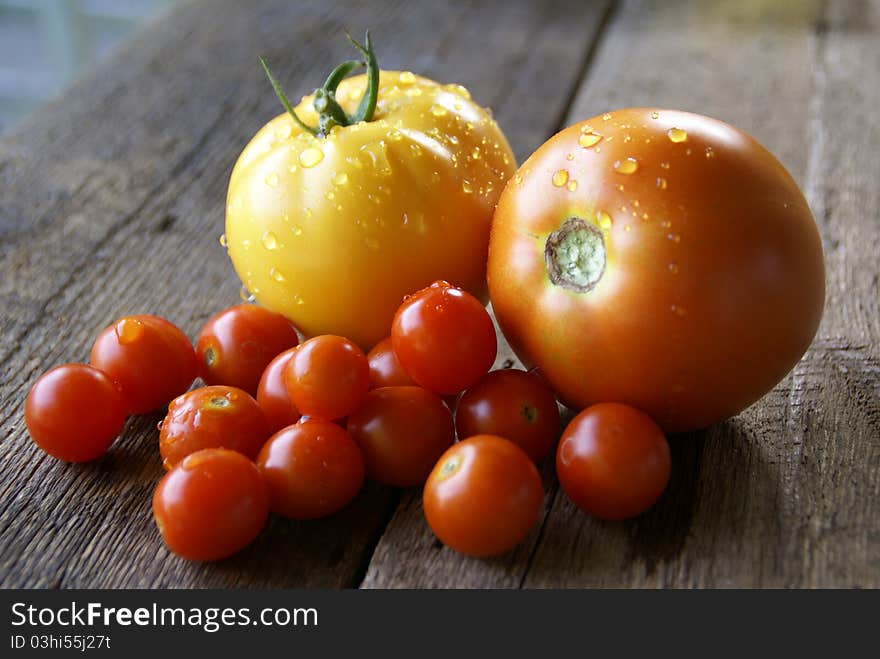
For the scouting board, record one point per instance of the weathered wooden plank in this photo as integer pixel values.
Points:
(111, 202)
(785, 494)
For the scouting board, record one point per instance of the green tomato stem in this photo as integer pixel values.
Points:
(330, 113)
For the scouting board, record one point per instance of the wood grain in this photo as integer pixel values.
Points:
(786, 494)
(111, 202)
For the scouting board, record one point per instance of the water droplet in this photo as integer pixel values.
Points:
(665, 224)
(605, 221)
(620, 187)
(329, 195)
(661, 182)
(272, 180)
(677, 135)
(467, 187)
(297, 300)
(674, 237)
(677, 310)
(636, 203)
(475, 154)
(341, 178)
(569, 156)
(560, 177)
(655, 115)
(416, 149)
(664, 165)
(245, 295)
(673, 267)
(297, 230)
(627, 166)
(270, 241)
(627, 138)
(129, 330)
(518, 179)
(438, 110)
(606, 116)
(572, 186)
(587, 140)
(223, 242)
(395, 135)
(710, 152)
(275, 273)
(407, 78)
(311, 157)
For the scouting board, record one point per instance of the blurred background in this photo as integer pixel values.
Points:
(45, 44)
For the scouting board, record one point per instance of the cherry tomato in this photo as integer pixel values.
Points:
(657, 258)
(149, 358)
(313, 469)
(272, 394)
(402, 432)
(444, 338)
(483, 496)
(236, 345)
(327, 377)
(613, 461)
(212, 417)
(385, 369)
(211, 505)
(74, 412)
(513, 404)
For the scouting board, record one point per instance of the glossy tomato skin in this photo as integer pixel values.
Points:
(513, 404)
(370, 213)
(613, 461)
(327, 377)
(211, 505)
(712, 284)
(212, 417)
(385, 368)
(483, 496)
(444, 338)
(402, 431)
(313, 469)
(237, 343)
(74, 412)
(149, 358)
(272, 394)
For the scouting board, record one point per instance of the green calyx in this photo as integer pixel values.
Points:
(330, 113)
(575, 255)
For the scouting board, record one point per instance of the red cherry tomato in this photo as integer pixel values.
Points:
(385, 369)
(402, 432)
(512, 404)
(483, 496)
(236, 345)
(211, 505)
(272, 394)
(150, 359)
(212, 417)
(657, 258)
(74, 412)
(313, 469)
(613, 461)
(444, 338)
(327, 377)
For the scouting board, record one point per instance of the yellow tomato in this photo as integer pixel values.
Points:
(334, 231)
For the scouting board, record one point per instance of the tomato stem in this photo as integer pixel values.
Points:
(330, 113)
(575, 255)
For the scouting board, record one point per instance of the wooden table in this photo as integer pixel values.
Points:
(112, 200)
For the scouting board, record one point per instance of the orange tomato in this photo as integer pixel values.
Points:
(657, 258)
